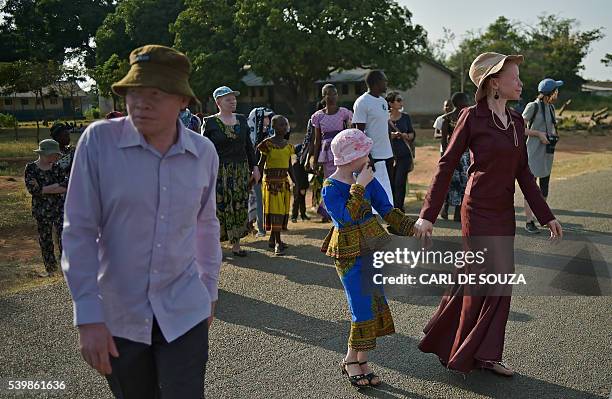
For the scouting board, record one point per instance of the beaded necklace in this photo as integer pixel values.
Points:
(506, 128)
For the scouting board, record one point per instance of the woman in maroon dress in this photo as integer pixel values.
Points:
(466, 331)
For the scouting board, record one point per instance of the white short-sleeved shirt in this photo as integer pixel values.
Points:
(438, 122)
(374, 112)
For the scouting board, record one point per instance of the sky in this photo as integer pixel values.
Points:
(462, 16)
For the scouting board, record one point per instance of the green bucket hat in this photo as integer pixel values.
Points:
(48, 147)
(157, 66)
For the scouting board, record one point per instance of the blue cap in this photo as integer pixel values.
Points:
(224, 91)
(549, 85)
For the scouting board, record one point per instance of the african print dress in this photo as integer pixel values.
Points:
(356, 228)
(236, 160)
(275, 188)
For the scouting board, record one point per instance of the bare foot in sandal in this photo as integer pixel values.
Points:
(353, 371)
(369, 373)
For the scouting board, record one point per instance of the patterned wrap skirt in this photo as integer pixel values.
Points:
(370, 313)
(276, 193)
(233, 200)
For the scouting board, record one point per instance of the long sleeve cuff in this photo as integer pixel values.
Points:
(357, 206)
(88, 311)
(212, 285)
(403, 224)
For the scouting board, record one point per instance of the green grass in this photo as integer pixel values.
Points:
(26, 143)
(16, 209)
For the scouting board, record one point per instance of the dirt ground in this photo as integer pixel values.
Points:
(20, 260)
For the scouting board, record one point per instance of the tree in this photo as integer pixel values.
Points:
(552, 48)
(36, 77)
(607, 60)
(556, 49)
(68, 85)
(206, 32)
(55, 30)
(108, 73)
(12, 81)
(295, 43)
(133, 23)
(503, 36)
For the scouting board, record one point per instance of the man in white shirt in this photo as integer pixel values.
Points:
(448, 107)
(371, 115)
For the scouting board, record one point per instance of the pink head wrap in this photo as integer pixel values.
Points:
(350, 144)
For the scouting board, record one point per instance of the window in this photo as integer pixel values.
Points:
(24, 101)
(261, 91)
(8, 101)
(53, 100)
(345, 89)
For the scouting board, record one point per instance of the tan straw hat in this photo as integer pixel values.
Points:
(486, 64)
(160, 67)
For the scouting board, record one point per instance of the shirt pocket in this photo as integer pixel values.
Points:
(186, 203)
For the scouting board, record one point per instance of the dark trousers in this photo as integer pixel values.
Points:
(162, 370)
(299, 203)
(544, 181)
(45, 240)
(399, 181)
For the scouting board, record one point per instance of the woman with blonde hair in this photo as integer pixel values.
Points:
(467, 331)
(230, 134)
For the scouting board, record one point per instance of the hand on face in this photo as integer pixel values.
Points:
(366, 175)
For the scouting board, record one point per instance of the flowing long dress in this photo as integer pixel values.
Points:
(466, 331)
(275, 188)
(236, 160)
(330, 125)
(355, 227)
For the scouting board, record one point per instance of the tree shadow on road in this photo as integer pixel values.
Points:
(396, 352)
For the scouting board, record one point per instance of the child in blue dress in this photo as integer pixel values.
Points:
(349, 201)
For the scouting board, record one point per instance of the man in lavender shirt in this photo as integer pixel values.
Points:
(141, 236)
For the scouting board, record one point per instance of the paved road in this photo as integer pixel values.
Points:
(282, 328)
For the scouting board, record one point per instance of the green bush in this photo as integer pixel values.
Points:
(7, 120)
(571, 123)
(585, 102)
(93, 113)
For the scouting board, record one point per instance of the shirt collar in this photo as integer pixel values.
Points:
(130, 137)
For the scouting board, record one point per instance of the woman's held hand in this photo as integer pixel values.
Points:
(423, 228)
(556, 231)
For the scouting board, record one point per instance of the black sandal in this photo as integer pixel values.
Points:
(354, 379)
(371, 376)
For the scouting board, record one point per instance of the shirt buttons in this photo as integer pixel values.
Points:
(155, 271)
(162, 217)
(164, 188)
(158, 245)
(147, 320)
